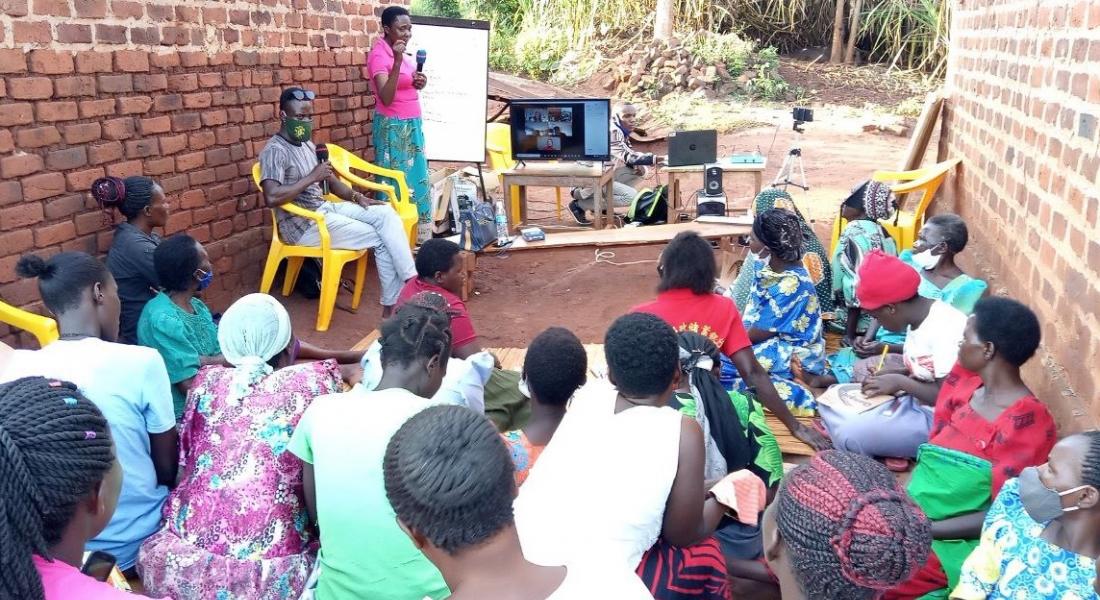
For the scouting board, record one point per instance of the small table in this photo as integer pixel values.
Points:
(728, 169)
(566, 175)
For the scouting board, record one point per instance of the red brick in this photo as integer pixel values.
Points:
(50, 235)
(201, 140)
(141, 148)
(214, 16)
(134, 105)
(90, 222)
(67, 159)
(119, 129)
(217, 156)
(13, 60)
(23, 215)
(39, 187)
(160, 12)
(144, 36)
(31, 32)
(131, 61)
(171, 144)
(10, 193)
(37, 137)
(93, 61)
(187, 162)
(150, 83)
(67, 206)
(165, 60)
(104, 153)
(96, 108)
(30, 88)
(80, 85)
(124, 9)
(14, 8)
(125, 169)
(50, 62)
(168, 103)
(7, 141)
(90, 9)
(194, 59)
(16, 114)
(199, 100)
(51, 8)
(56, 111)
(203, 177)
(175, 36)
(81, 133)
(73, 33)
(185, 82)
(116, 84)
(17, 242)
(20, 165)
(110, 34)
(161, 124)
(186, 122)
(159, 166)
(213, 118)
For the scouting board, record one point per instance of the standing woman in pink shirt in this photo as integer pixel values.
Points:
(397, 132)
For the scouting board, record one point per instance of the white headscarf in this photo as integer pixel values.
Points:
(252, 331)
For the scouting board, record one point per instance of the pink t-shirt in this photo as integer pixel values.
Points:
(62, 581)
(462, 327)
(406, 100)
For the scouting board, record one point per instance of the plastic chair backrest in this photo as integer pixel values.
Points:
(44, 329)
(498, 141)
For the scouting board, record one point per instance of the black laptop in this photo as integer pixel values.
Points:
(692, 148)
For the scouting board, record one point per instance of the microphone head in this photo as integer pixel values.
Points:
(421, 56)
(322, 153)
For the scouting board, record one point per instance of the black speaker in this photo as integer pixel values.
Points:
(712, 180)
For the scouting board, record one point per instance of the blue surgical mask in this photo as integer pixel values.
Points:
(205, 278)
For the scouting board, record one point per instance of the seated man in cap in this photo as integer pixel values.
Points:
(887, 289)
(291, 173)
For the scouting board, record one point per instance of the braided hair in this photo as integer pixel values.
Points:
(781, 232)
(130, 196)
(415, 332)
(850, 531)
(1090, 467)
(55, 448)
(449, 477)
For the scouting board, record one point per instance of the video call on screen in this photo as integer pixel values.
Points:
(562, 130)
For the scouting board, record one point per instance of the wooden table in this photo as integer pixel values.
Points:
(728, 169)
(566, 175)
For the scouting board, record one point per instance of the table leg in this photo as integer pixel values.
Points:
(522, 206)
(597, 205)
(609, 193)
(673, 197)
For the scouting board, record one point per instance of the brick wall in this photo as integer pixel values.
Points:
(183, 92)
(1023, 111)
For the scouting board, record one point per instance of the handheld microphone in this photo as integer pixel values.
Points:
(322, 156)
(421, 58)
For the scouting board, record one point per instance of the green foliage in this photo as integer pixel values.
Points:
(437, 8)
(539, 53)
(768, 84)
(911, 34)
(728, 49)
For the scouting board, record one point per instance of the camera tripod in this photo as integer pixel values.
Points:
(792, 162)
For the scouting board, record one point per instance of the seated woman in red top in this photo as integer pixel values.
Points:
(439, 270)
(987, 427)
(686, 300)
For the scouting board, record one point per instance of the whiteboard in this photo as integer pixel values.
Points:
(453, 103)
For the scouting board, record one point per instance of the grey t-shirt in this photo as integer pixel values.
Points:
(287, 164)
(130, 261)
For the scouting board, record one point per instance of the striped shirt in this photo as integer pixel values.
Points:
(286, 164)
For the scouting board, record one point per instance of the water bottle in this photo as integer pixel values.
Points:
(502, 224)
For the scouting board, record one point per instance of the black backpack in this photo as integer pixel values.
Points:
(650, 206)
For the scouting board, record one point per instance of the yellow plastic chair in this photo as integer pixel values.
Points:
(42, 328)
(332, 260)
(345, 163)
(905, 225)
(498, 142)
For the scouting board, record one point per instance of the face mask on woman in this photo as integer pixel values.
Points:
(926, 260)
(1042, 503)
(205, 278)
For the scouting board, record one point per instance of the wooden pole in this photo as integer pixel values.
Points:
(837, 54)
(662, 27)
(853, 32)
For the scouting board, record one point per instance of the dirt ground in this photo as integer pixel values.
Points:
(520, 294)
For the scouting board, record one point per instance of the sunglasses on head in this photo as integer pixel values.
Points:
(302, 95)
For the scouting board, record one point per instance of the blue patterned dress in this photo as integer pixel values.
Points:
(786, 303)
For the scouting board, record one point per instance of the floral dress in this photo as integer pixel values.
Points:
(524, 453)
(1014, 561)
(236, 527)
(787, 304)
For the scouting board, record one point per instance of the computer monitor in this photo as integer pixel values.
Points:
(561, 129)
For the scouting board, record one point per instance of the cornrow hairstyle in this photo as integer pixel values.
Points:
(176, 259)
(953, 229)
(55, 447)
(642, 354)
(850, 531)
(781, 232)
(415, 332)
(63, 278)
(1010, 326)
(555, 366)
(449, 477)
(436, 255)
(688, 262)
(130, 196)
(1090, 467)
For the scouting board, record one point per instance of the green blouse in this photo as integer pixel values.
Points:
(181, 338)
